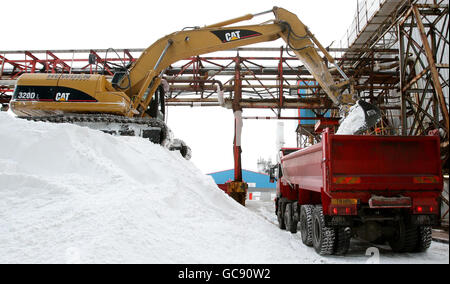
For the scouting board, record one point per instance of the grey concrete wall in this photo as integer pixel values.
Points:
(261, 194)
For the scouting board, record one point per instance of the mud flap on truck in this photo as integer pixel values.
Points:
(425, 220)
(290, 220)
(342, 240)
(280, 208)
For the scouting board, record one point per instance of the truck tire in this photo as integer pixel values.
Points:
(289, 221)
(280, 214)
(323, 236)
(424, 238)
(306, 220)
(411, 238)
(406, 238)
(342, 241)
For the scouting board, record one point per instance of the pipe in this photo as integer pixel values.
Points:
(169, 43)
(238, 19)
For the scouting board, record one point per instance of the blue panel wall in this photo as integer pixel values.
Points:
(261, 180)
(307, 112)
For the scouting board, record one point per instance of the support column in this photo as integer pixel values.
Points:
(237, 189)
(432, 66)
(402, 58)
(237, 111)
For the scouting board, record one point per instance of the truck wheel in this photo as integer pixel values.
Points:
(405, 239)
(425, 238)
(411, 238)
(306, 221)
(280, 215)
(289, 221)
(342, 241)
(323, 236)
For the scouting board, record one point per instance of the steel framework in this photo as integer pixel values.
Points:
(270, 82)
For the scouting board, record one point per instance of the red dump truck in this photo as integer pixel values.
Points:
(377, 188)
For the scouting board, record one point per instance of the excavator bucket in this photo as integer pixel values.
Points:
(371, 112)
(361, 117)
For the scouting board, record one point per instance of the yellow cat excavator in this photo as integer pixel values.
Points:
(132, 102)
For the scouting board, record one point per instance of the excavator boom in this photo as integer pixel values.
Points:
(217, 37)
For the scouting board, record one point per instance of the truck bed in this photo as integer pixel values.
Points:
(385, 164)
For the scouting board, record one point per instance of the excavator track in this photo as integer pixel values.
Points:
(151, 128)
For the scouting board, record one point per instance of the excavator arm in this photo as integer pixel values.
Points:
(144, 76)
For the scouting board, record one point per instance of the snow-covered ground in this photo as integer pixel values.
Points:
(70, 194)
